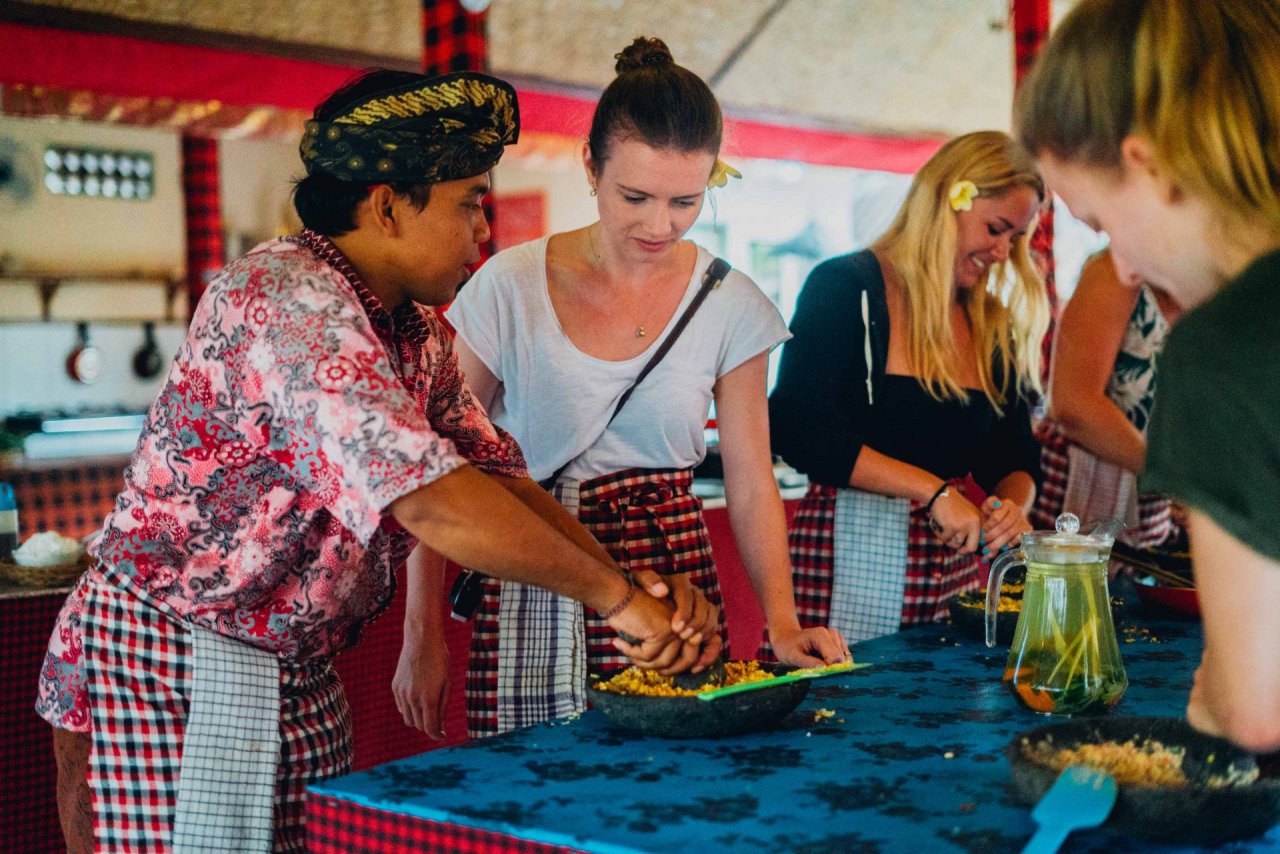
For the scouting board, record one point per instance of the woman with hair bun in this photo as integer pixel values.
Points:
(552, 334)
(1158, 122)
(906, 381)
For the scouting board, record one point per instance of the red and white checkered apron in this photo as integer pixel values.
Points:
(934, 572)
(139, 682)
(645, 519)
(1155, 519)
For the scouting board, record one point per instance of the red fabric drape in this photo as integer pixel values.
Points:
(1030, 29)
(203, 207)
(121, 65)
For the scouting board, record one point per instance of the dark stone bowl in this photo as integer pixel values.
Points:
(689, 717)
(969, 616)
(1188, 815)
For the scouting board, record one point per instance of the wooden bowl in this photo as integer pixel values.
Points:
(969, 616)
(59, 575)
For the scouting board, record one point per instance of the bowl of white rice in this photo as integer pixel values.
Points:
(44, 559)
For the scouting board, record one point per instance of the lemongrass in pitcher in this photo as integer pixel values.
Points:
(1064, 658)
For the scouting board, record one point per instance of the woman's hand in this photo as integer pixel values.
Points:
(956, 521)
(809, 647)
(1003, 523)
(421, 684)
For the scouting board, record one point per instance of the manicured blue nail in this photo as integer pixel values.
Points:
(988, 551)
(1004, 548)
(982, 534)
(995, 503)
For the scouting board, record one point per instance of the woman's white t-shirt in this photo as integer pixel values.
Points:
(556, 400)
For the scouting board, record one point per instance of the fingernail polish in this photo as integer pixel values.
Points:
(995, 503)
(988, 551)
(1004, 548)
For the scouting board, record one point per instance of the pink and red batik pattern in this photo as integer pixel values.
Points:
(297, 409)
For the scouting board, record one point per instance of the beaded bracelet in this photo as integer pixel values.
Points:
(623, 603)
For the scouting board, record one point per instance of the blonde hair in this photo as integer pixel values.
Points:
(1200, 80)
(1009, 316)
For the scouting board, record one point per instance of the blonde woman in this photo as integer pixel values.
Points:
(1158, 121)
(903, 396)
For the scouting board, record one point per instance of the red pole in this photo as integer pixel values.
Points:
(1030, 29)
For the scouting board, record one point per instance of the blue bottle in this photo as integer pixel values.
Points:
(8, 522)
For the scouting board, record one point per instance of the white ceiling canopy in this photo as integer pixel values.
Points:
(898, 67)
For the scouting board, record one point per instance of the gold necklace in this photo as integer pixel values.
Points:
(591, 237)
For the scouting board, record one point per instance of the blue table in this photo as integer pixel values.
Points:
(912, 761)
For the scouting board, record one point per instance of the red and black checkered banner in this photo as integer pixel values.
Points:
(203, 205)
(454, 39)
(1030, 29)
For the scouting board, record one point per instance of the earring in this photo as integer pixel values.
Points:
(593, 191)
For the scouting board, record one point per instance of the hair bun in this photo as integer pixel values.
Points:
(641, 52)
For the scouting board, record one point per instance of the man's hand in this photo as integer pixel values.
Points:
(695, 620)
(421, 684)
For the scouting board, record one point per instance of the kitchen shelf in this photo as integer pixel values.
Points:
(47, 286)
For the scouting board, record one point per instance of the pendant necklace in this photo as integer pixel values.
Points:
(591, 237)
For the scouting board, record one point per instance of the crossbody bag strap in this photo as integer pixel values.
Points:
(466, 592)
(711, 279)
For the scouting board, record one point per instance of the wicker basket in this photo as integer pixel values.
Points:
(43, 576)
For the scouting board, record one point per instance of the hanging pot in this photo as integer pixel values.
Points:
(147, 362)
(84, 362)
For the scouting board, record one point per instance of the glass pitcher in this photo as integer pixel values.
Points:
(1064, 659)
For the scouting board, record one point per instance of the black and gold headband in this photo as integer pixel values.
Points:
(438, 129)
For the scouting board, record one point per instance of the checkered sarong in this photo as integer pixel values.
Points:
(1155, 521)
(139, 665)
(645, 520)
(933, 573)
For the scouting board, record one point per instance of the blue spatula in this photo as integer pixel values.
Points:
(1079, 798)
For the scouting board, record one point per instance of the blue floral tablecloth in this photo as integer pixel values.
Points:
(911, 761)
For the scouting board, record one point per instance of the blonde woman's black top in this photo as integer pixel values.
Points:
(831, 401)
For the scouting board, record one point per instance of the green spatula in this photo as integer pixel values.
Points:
(1080, 798)
(795, 676)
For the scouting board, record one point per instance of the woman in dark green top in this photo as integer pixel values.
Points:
(1158, 121)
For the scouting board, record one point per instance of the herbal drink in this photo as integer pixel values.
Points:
(1064, 658)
